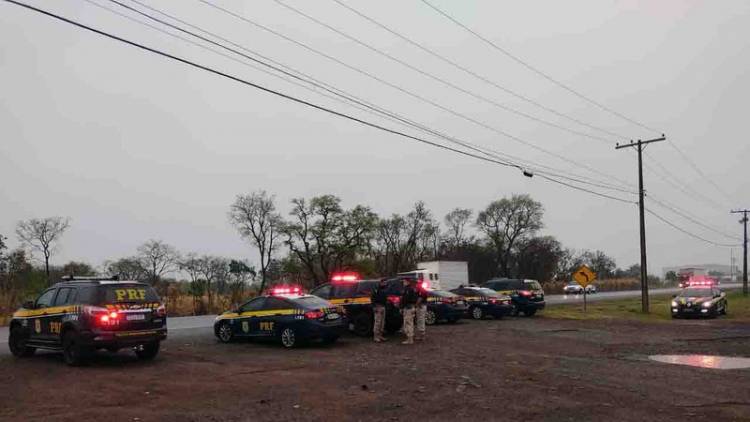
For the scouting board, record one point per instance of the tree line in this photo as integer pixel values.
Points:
(317, 237)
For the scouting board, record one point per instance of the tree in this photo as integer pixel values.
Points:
(600, 263)
(403, 241)
(324, 237)
(206, 271)
(78, 268)
(130, 268)
(538, 258)
(157, 259)
(256, 219)
(42, 234)
(506, 221)
(670, 276)
(456, 222)
(3, 257)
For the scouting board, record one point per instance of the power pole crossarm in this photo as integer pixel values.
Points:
(744, 248)
(639, 146)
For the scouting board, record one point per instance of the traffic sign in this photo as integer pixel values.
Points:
(584, 276)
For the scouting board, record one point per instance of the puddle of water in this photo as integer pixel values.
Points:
(704, 361)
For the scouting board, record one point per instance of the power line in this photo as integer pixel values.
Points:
(686, 216)
(536, 70)
(699, 171)
(262, 88)
(479, 76)
(360, 104)
(434, 77)
(676, 227)
(414, 95)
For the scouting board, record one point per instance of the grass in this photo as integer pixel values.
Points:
(739, 309)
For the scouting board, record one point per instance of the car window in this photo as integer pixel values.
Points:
(365, 288)
(323, 291)
(45, 300)
(62, 296)
(86, 295)
(532, 285)
(276, 303)
(253, 305)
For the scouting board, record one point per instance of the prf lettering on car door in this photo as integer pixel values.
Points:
(266, 326)
(130, 294)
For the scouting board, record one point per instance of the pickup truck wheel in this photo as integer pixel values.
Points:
(147, 351)
(74, 353)
(17, 343)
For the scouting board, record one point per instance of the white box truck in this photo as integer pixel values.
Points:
(444, 275)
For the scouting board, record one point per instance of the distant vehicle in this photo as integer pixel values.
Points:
(699, 301)
(482, 302)
(444, 306)
(284, 315)
(591, 289)
(527, 295)
(82, 314)
(445, 275)
(353, 294)
(572, 288)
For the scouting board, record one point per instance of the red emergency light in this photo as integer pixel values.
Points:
(702, 281)
(425, 285)
(345, 277)
(286, 290)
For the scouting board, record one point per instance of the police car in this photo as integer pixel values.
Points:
(444, 306)
(79, 315)
(482, 302)
(354, 295)
(527, 296)
(700, 301)
(286, 315)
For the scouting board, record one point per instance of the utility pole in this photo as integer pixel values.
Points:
(744, 249)
(640, 146)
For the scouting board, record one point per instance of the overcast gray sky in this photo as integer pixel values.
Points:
(133, 146)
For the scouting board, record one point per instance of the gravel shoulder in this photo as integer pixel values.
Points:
(518, 368)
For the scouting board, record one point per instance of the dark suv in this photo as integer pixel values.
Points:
(78, 316)
(354, 297)
(527, 295)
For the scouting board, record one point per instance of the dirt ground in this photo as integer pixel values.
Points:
(514, 369)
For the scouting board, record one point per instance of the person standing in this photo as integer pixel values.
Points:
(421, 311)
(379, 299)
(409, 302)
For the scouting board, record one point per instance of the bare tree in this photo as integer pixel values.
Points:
(42, 234)
(158, 259)
(456, 221)
(256, 219)
(506, 221)
(130, 268)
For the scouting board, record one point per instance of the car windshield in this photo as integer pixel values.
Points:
(442, 293)
(532, 285)
(128, 293)
(486, 292)
(311, 302)
(696, 293)
(363, 288)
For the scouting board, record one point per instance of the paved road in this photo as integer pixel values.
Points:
(178, 325)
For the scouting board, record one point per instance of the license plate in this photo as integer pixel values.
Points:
(333, 315)
(136, 317)
(460, 302)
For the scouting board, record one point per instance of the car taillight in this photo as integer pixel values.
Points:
(102, 316)
(394, 300)
(314, 314)
(446, 300)
(524, 293)
(161, 311)
(493, 300)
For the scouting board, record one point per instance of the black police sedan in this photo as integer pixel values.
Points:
(290, 318)
(482, 302)
(444, 306)
(699, 301)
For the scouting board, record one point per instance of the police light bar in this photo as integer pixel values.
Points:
(425, 285)
(347, 277)
(287, 290)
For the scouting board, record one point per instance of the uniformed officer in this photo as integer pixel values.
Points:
(409, 302)
(379, 300)
(421, 311)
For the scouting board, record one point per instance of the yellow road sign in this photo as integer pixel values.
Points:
(584, 276)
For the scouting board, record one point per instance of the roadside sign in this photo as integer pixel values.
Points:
(584, 276)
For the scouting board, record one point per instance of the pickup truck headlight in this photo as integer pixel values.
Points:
(706, 304)
(674, 303)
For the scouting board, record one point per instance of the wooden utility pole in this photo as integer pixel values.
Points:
(744, 249)
(640, 146)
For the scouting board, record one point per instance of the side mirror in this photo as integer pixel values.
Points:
(29, 304)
